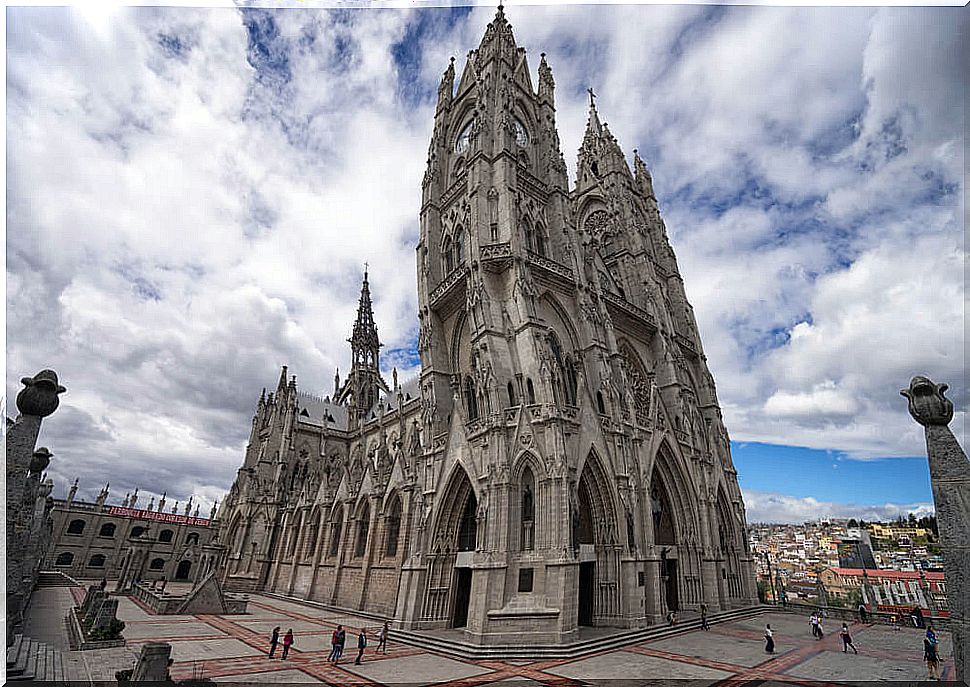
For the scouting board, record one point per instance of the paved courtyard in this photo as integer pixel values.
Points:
(233, 649)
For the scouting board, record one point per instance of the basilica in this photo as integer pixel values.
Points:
(560, 461)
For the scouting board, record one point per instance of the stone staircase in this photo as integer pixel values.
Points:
(28, 659)
(55, 578)
(463, 649)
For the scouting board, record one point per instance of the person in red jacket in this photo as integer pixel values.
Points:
(287, 643)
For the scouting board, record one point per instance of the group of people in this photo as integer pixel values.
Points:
(337, 641)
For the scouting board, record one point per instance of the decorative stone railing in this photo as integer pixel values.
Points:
(457, 275)
(496, 250)
(686, 343)
(630, 309)
(551, 266)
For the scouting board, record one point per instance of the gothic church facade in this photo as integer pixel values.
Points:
(561, 460)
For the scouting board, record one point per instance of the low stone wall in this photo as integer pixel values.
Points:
(158, 602)
(849, 615)
(77, 640)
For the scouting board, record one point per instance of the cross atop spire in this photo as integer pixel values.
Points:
(592, 97)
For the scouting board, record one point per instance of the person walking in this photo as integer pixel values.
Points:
(813, 621)
(769, 640)
(382, 638)
(704, 625)
(333, 645)
(274, 640)
(821, 634)
(341, 642)
(931, 654)
(361, 645)
(863, 614)
(847, 640)
(287, 643)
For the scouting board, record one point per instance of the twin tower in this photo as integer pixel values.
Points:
(561, 459)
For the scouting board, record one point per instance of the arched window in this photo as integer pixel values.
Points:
(471, 400)
(447, 255)
(165, 535)
(107, 530)
(65, 558)
(571, 382)
(363, 523)
(459, 247)
(311, 545)
(530, 391)
(136, 532)
(540, 241)
(600, 405)
(468, 528)
(76, 527)
(193, 538)
(156, 564)
(392, 527)
(511, 390)
(527, 491)
(294, 536)
(97, 561)
(566, 377)
(336, 525)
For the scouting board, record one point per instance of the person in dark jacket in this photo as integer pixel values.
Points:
(769, 639)
(341, 642)
(847, 640)
(274, 640)
(931, 655)
(361, 645)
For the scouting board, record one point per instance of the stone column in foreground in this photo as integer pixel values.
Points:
(24, 468)
(950, 478)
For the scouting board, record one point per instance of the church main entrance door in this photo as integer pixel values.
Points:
(587, 581)
(463, 593)
(673, 600)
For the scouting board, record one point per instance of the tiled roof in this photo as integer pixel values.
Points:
(888, 574)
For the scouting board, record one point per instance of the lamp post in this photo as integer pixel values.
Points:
(771, 580)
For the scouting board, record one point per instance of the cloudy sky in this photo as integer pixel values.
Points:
(192, 193)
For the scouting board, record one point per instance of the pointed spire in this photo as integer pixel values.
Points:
(593, 126)
(215, 507)
(161, 502)
(498, 38)
(547, 85)
(282, 383)
(134, 498)
(73, 491)
(336, 382)
(151, 504)
(642, 175)
(446, 88)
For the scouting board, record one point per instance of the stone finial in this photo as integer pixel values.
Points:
(175, 507)
(927, 404)
(212, 513)
(134, 498)
(39, 395)
(40, 460)
(73, 491)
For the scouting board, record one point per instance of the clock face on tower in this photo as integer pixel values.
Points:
(521, 135)
(461, 143)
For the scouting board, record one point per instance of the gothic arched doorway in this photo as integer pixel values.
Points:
(449, 577)
(594, 536)
(182, 571)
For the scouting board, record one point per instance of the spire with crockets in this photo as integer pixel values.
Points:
(362, 386)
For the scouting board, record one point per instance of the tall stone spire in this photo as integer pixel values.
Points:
(363, 384)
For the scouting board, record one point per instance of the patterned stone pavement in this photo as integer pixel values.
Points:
(233, 649)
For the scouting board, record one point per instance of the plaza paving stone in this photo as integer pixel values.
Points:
(274, 677)
(419, 669)
(624, 665)
(233, 649)
(715, 646)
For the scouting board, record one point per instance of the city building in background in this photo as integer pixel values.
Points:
(91, 540)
